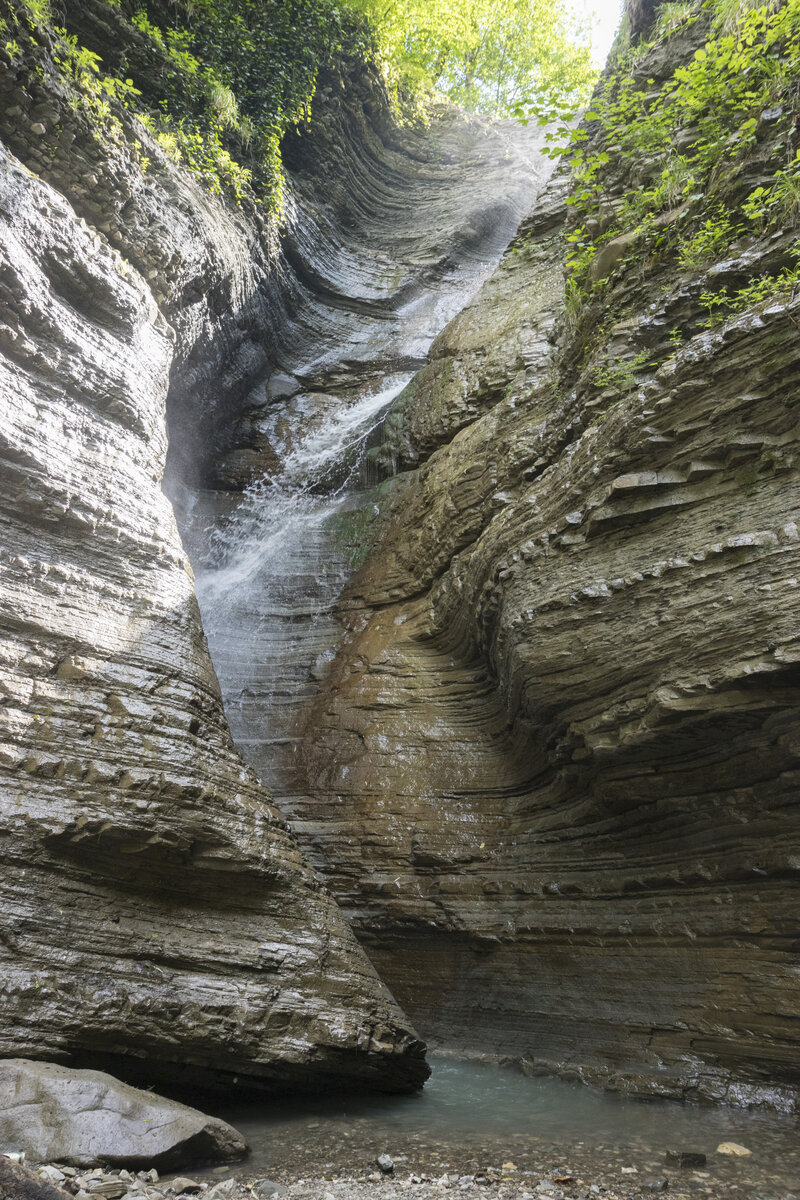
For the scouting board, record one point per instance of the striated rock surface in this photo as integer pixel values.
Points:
(18, 1183)
(552, 775)
(86, 1118)
(158, 917)
(154, 903)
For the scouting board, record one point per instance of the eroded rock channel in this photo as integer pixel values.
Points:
(498, 591)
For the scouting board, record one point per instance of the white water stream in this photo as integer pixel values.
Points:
(271, 562)
(320, 464)
(275, 566)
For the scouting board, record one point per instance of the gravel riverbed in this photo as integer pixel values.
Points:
(504, 1181)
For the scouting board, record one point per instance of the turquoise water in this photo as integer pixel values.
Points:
(474, 1116)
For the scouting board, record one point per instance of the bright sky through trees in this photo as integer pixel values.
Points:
(495, 56)
(604, 16)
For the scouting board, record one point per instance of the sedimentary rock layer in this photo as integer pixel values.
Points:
(553, 773)
(154, 903)
(158, 916)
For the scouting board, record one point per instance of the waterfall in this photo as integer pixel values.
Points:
(272, 560)
(275, 565)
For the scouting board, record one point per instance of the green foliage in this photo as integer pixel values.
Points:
(691, 138)
(496, 56)
(709, 241)
(723, 304)
(729, 13)
(621, 374)
(674, 15)
(234, 75)
(94, 90)
(217, 83)
(778, 202)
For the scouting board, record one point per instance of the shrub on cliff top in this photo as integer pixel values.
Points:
(218, 82)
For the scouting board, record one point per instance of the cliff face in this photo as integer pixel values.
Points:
(158, 917)
(552, 776)
(154, 903)
(545, 750)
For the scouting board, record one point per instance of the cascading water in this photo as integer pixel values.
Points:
(273, 569)
(270, 562)
(367, 287)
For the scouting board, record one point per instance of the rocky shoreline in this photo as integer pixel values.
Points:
(501, 1182)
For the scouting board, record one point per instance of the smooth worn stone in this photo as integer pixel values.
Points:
(51, 1174)
(110, 1189)
(386, 1164)
(281, 387)
(685, 1158)
(87, 1117)
(228, 1189)
(733, 1148)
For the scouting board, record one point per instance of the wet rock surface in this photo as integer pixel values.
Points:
(87, 1118)
(159, 919)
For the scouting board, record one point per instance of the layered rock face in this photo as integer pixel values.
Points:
(275, 531)
(158, 916)
(552, 776)
(154, 903)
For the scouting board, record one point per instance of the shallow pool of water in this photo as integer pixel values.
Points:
(474, 1116)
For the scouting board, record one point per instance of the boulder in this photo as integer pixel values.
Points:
(18, 1183)
(88, 1118)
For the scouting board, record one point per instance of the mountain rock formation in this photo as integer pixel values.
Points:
(552, 773)
(546, 754)
(158, 917)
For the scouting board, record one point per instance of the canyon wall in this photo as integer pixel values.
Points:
(158, 918)
(552, 775)
(544, 753)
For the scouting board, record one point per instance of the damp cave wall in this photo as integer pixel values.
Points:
(565, 694)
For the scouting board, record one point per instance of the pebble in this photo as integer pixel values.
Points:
(385, 1163)
(52, 1175)
(733, 1148)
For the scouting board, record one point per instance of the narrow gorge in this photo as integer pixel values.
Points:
(399, 594)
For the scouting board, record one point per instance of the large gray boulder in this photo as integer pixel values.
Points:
(88, 1118)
